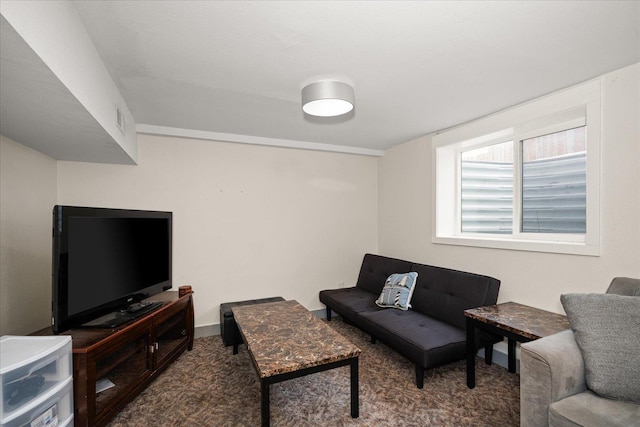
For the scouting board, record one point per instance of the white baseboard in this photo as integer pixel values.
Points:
(500, 357)
(206, 331)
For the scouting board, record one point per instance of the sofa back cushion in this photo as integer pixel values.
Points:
(445, 294)
(376, 269)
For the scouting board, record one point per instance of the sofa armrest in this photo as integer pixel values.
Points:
(551, 369)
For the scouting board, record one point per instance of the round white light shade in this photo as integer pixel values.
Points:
(327, 98)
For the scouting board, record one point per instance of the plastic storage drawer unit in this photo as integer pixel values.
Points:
(54, 409)
(37, 384)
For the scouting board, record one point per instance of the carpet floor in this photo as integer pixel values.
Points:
(210, 386)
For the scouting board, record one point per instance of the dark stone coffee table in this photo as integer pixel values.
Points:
(287, 341)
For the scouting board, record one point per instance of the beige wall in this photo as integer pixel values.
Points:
(27, 196)
(538, 279)
(249, 221)
(254, 221)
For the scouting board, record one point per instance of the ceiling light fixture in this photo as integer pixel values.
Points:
(327, 98)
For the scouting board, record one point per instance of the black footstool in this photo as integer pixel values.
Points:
(228, 328)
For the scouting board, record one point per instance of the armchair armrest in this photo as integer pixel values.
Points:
(551, 369)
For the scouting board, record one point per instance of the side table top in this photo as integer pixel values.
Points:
(286, 337)
(529, 322)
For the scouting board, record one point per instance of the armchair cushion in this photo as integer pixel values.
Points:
(589, 409)
(605, 327)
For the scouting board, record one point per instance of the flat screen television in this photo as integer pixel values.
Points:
(105, 262)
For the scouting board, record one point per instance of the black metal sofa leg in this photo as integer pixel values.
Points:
(419, 376)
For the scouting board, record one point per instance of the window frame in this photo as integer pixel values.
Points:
(570, 108)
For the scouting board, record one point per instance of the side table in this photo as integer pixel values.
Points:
(516, 322)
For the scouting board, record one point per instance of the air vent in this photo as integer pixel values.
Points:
(120, 120)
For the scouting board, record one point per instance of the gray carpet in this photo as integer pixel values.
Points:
(211, 387)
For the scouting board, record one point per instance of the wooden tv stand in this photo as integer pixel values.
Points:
(130, 357)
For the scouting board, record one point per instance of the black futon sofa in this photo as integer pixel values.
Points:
(432, 332)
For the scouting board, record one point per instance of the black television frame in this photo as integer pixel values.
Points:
(61, 320)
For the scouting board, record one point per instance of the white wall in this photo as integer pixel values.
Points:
(56, 34)
(249, 221)
(27, 196)
(537, 279)
(254, 221)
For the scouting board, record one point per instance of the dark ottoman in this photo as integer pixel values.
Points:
(228, 328)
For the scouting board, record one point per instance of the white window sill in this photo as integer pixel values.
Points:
(572, 248)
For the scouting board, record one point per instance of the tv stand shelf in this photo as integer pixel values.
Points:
(129, 356)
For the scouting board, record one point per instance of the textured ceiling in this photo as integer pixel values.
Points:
(237, 67)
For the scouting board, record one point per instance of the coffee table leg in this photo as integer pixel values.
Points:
(264, 403)
(355, 398)
(511, 354)
(471, 354)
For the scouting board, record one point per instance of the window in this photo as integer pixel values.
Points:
(526, 178)
(486, 189)
(554, 183)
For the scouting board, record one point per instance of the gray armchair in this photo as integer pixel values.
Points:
(553, 390)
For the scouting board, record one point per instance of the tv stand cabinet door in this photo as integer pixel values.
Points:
(126, 363)
(173, 332)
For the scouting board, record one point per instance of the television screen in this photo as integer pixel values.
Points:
(105, 260)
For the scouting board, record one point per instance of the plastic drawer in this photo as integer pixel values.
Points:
(65, 423)
(54, 408)
(31, 367)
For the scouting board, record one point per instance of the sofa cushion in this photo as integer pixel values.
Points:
(376, 268)
(397, 291)
(348, 302)
(589, 409)
(606, 329)
(424, 340)
(445, 294)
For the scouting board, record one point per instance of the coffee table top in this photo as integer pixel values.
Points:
(286, 337)
(529, 322)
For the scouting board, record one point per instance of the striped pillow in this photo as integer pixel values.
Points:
(398, 290)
